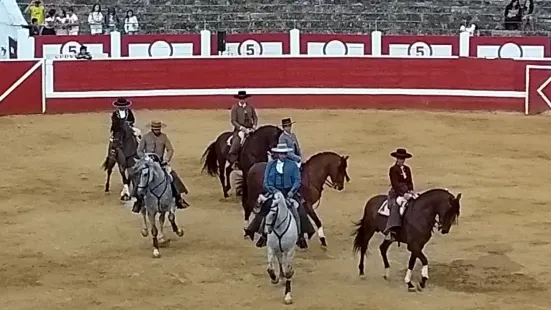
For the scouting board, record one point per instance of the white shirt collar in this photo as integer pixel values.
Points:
(279, 165)
(242, 104)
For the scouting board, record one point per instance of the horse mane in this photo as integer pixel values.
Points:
(316, 156)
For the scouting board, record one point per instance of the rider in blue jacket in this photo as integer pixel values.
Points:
(283, 175)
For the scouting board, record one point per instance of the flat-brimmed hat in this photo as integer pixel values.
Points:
(286, 122)
(401, 154)
(242, 95)
(281, 148)
(121, 103)
(156, 125)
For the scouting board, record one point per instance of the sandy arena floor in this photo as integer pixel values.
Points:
(67, 245)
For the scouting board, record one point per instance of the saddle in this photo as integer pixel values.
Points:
(384, 210)
(228, 142)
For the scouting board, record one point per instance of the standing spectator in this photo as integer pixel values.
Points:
(84, 54)
(62, 21)
(130, 23)
(112, 22)
(72, 18)
(34, 28)
(49, 23)
(527, 15)
(95, 20)
(468, 26)
(36, 9)
(513, 15)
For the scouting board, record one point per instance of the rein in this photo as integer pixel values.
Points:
(164, 181)
(273, 225)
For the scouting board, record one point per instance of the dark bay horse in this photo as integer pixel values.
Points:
(314, 175)
(214, 159)
(256, 149)
(418, 222)
(123, 152)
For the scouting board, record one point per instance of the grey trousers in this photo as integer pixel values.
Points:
(394, 220)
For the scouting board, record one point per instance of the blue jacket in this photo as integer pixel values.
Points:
(292, 142)
(287, 182)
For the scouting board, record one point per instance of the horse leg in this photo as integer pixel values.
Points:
(154, 231)
(145, 229)
(172, 218)
(384, 250)
(125, 192)
(363, 251)
(109, 164)
(314, 216)
(288, 272)
(407, 278)
(223, 178)
(161, 228)
(271, 265)
(424, 269)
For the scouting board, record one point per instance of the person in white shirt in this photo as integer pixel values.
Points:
(72, 22)
(62, 21)
(95, 20)
(468, 26)
(130, 23)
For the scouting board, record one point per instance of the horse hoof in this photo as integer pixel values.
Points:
(323, 242)
(423, 283)
(386, 276)
(163, 241)
(180, 232)
(288, 300)
(156, 253)
(145, 233)
(125, 197)
(411, 288)
(106, 190)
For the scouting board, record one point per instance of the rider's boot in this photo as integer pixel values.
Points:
(263, 237)
(301, 242)
(180, 202)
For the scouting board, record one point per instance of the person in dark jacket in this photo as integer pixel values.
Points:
(513, 15)
(401, 190)
(124, 112)
(84, 54)
(527, 15)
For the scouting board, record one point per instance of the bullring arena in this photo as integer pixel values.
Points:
(67, 245)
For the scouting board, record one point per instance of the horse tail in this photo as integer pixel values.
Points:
(363, 232)
(210, 160)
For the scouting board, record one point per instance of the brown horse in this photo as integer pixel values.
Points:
(418, 221)
(314, 174)
(215, 157)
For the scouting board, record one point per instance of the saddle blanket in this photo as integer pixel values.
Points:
(243, 138)
(384, 210)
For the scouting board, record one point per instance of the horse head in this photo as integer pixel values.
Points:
(338, 174)
(449, 213)
(276, 204)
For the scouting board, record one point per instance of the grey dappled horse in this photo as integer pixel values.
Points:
(154, 185)
(282, 237)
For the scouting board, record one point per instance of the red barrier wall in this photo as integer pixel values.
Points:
(346, 82)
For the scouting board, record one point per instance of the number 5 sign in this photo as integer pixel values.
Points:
(420, 49)
(249, 48)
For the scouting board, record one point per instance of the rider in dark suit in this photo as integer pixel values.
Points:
(123, 112)
(401, 186)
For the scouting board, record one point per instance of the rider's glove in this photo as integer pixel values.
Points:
(290, 195)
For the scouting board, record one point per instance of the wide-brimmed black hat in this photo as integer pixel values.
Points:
(401, 154)
(242, 94)
(121, 103)
(286, 122)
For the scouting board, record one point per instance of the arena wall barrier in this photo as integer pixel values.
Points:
(292, 43)
(62, 86)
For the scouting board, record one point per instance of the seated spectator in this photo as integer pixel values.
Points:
(72, 24)
(468, 26)
(95, 20)
(130, 23)
(34, 28)
(111, 21)
(513, 15)
(36, 9)
(49, 23)
(62, 20)
(527, 15)
(84, 54)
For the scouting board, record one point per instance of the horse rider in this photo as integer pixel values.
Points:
(401, 188)
(123, 112)
(244, 121)
(283, 175)
(290, 139)
(157, 142)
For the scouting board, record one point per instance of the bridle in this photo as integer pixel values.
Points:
(286, 220)
(164, 181)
